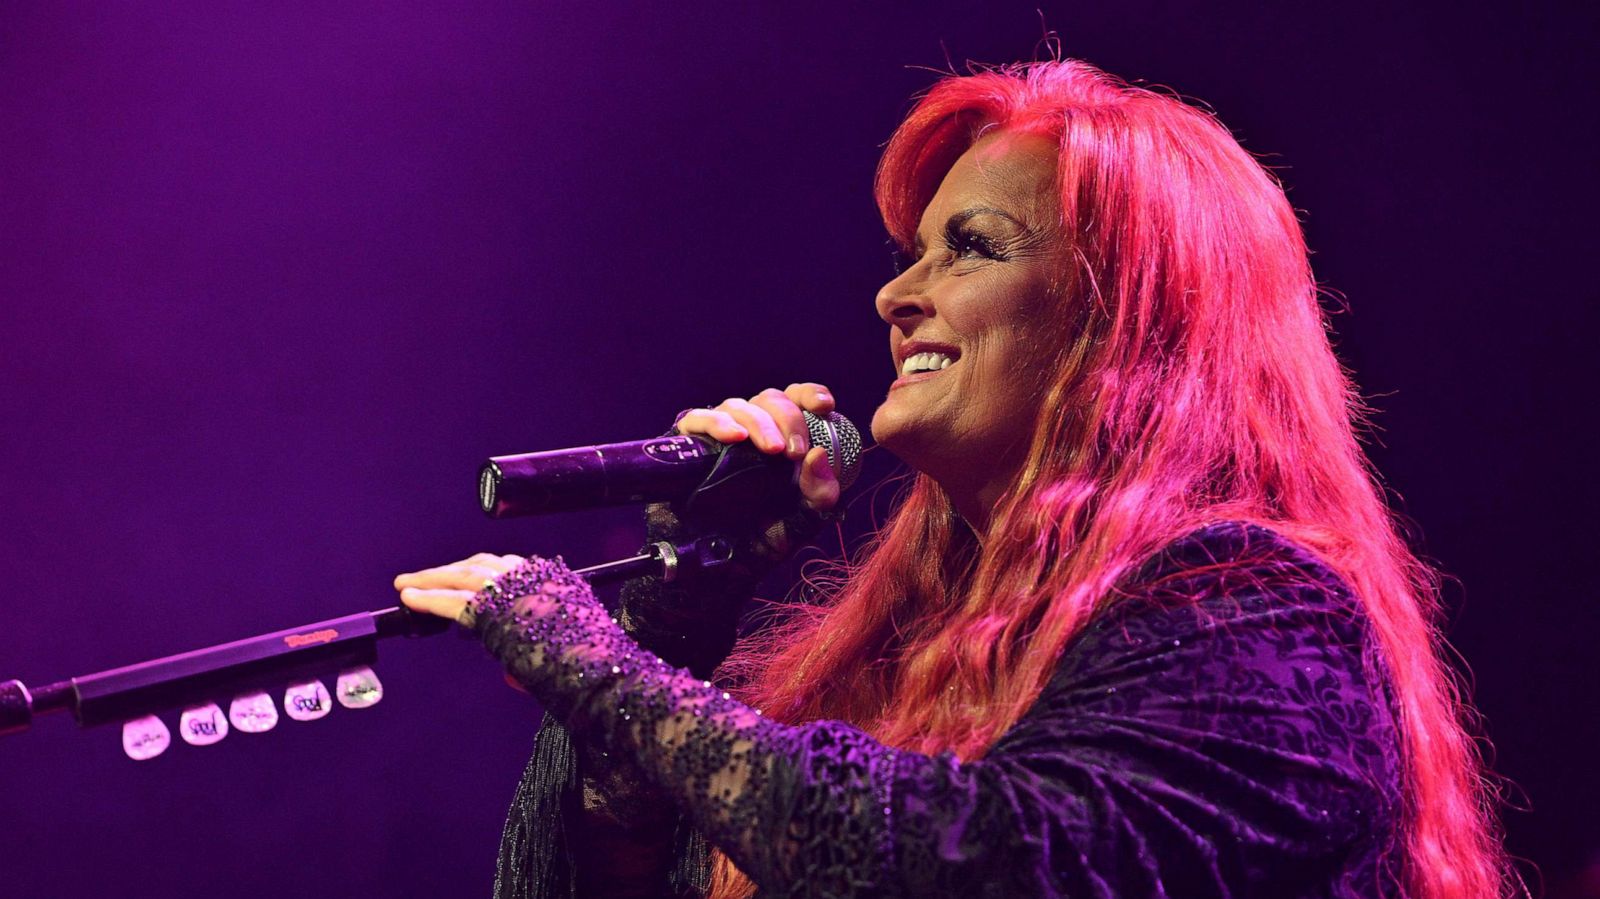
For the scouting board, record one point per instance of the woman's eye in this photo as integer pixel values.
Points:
(956, 245)
(970, 245)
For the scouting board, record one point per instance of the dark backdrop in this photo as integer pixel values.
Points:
(275, 282)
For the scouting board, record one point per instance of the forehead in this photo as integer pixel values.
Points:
(1015, 173)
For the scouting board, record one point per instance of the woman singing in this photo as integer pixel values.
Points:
(1142, 626)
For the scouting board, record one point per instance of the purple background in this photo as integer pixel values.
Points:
(274, 283)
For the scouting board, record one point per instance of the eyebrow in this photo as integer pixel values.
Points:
(966, 215)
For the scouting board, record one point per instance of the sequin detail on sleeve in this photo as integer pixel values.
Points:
(788, 804)
(1223, 731)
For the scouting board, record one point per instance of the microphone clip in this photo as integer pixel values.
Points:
(688, 559)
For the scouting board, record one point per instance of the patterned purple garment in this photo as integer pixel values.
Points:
(1221, 731)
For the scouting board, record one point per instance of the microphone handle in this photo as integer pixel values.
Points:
(693, 468)
(563, 480)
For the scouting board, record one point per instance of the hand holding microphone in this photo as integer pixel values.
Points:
(773, 423)
(756, 473)
(773, 506)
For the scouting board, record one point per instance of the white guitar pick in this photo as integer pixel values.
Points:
(145, 738)
(253, 713)
(307, 702)
(359, 688)
(202, 725)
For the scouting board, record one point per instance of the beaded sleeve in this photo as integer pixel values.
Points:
(1220, 733)
(724, 763)
(588, 821)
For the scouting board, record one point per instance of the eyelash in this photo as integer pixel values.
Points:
(959, 241)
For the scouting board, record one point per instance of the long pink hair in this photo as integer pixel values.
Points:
(1195, 383)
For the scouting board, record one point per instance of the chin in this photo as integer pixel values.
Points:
(900, 435)
(885, 427)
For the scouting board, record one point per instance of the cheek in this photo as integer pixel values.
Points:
(1004, 355)
(1018, 335)
(1007, 396)
(1006, 382)
(1004, 392)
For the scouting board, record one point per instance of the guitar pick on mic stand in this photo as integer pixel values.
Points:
(722, 485)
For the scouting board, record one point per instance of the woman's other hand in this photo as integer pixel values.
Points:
(772, 422)
(446, 590)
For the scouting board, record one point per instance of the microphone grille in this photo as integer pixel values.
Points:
(842, 441)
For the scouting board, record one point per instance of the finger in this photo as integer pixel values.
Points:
(497, 565)
(764, 432)
(789, 419)
(482, 560)
(476, 560)
(713, 423)
(814, 398)
(818, 485)
(443, 603)
(459, 576)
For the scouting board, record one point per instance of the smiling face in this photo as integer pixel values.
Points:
(967, 322)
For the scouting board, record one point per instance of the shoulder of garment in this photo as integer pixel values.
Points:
(1232, 690)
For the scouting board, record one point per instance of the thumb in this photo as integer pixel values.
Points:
(818, 485)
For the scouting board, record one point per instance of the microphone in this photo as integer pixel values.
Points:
(712, 479)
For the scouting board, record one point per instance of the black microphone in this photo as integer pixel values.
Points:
(709, 477)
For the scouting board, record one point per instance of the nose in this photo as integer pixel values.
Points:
(905, 298)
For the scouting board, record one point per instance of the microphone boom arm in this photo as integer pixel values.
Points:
(122, 694)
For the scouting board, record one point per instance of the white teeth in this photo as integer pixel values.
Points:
(921, 362)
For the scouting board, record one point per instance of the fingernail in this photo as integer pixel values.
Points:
(824, 397)
(796, 446)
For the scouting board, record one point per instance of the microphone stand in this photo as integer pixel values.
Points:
(189, 678)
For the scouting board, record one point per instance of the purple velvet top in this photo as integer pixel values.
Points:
(1222, 730)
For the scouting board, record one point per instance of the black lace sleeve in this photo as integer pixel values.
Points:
(588, 823)
(1217, 735)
